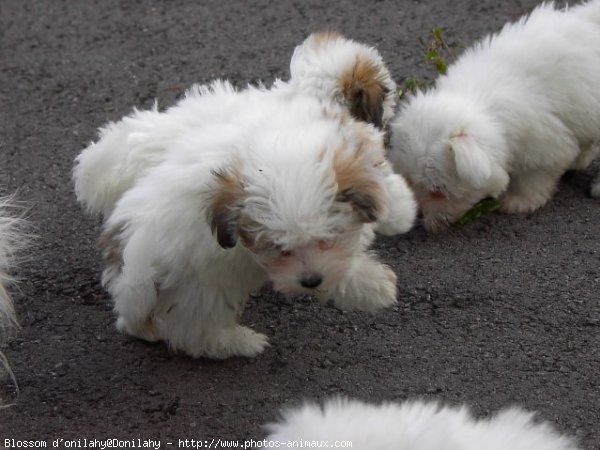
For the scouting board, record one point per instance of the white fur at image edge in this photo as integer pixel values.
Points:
(11, 240)
(414, 426)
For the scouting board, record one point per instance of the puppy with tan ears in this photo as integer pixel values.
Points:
(413, 426)
(513, 113)
(229, 189)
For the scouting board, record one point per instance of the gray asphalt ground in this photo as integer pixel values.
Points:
(500, 312)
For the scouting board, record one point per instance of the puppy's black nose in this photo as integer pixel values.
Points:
(311, 280)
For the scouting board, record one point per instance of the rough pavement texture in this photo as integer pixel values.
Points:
(502, 311)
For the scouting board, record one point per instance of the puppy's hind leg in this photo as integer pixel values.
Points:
(134, 314)
(129, 278)
(142, 330)
(368, 286)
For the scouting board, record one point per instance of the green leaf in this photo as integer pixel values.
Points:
(431, 55)
(441, 67)
(485, 206)
(413, 85)
(437, 34)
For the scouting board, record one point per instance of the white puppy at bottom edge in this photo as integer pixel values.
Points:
(412, 425)
(511, 115)
(229, 189)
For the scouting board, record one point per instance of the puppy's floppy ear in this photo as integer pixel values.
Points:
(223, 212)
(364, 90)
(472, 163)
(359, 184)
(348, 72)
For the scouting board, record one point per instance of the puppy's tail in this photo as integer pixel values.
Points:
(12, 238)
(330, 66)
(124, 151)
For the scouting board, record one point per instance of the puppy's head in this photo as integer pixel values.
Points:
(451, 153)
(300, 197)
(331, 67)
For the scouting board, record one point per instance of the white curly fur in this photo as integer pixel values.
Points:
(412, 426)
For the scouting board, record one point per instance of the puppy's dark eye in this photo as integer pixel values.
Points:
(285, 253)
(326, 244)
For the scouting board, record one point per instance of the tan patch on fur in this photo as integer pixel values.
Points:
(321, 38)
(249, 239)
(223, 210)
(252, 236)
(364, 90)
(248, 231)
(112, 252)
(359, 184)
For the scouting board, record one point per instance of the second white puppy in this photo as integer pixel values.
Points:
(412, 426)
(208, 200)
(513, 113)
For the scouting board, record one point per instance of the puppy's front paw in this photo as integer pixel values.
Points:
(236, 341)
(402, 208)
(370, 287)
(528, 192)
(520, 204)
(391, 228)
(384, 290)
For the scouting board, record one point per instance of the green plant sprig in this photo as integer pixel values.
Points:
(437, 52)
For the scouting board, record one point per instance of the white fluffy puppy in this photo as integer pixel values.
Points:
(228, 189)
(513, 113)
(414, 426)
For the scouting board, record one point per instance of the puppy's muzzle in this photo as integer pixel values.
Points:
(311, 280)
